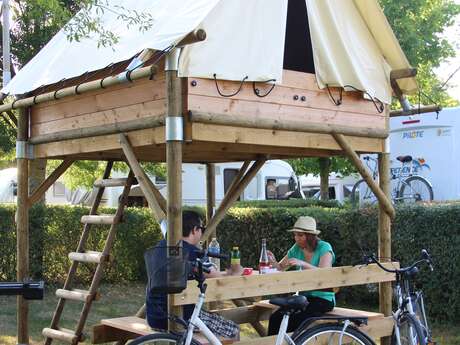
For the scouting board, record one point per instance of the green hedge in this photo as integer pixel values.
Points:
(291, 203)
(55, 231)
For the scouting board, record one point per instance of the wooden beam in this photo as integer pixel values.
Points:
(234, 287)
(384, 236)
(81, 88)
(210, 191)
(193, 37)
(89, 132)
(153, 196)
(22, 225)
(382, 198)
(174, 139)
(37, 194)
(288, 125)
(235, 193)
(256, 324)
(416, 111)
(403, 73)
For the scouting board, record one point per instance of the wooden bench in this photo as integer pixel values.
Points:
(131, 327)
(378, 325)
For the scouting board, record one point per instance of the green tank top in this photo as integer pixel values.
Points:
(322, 248)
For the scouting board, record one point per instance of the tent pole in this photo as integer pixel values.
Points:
(174, 138)
(385, 291)
(22, 223)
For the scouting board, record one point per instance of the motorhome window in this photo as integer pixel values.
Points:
(331, 193)
(298, 52)
(58, 189)
(160, 179)
(271, 189)
(229, 176)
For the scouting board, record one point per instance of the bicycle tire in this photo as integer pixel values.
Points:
(159, 339)
(424, 194)
(406, 323)
(331, 332)
(367, 195)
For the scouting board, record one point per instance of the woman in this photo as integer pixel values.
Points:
(308, 252)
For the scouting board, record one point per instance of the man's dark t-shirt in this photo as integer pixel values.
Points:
(157, 303)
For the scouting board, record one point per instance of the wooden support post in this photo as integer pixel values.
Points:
(155, 200)
(383, 199)
(40, 191)
(235, 193)
(22, 223)
(210, 191)
(324, 165)
(385, 291)
(174, 138)
(257, 325)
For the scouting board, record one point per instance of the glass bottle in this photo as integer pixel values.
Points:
(235, 259)
(264, 263)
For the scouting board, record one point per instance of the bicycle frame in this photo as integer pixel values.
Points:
(195, 321)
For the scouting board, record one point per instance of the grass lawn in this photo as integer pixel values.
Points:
(119, 300)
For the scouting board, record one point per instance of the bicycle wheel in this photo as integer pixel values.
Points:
(410, 331)
(331, 333)
(362, 195)
(415, 189)
(159, 339)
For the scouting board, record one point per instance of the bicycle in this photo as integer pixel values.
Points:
(410, 321)
(338, 330)
(409, 186)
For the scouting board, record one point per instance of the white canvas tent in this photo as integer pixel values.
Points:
(352, 44)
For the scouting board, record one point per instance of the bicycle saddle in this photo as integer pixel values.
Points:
(404, 159)
(291, 302)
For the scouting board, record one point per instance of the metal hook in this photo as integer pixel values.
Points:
(229, 95)
(257, 91)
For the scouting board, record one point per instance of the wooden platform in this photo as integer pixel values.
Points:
(216, 128)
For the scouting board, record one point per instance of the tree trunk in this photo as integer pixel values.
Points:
(324, 165)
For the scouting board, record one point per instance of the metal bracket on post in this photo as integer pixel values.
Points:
(174, 128)
(24, 150)
(172, 60)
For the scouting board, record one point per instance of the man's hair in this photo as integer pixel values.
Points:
(190, 219)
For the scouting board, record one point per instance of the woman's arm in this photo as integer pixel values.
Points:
(324, 262)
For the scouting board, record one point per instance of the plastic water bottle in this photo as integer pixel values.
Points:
(214, 248)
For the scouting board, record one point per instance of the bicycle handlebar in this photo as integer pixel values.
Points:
(426, 258)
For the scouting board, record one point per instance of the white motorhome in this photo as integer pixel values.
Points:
(339, 186)
(275, 180)
(434, 141)
(57, 194)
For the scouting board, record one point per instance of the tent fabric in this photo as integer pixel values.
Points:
(59, 59)
(351, 40)
(380, 29)
(245, 39)
(345, 53)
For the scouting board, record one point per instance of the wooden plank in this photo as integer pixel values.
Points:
(239, 135)
(116, 115)
(267, 284)
(97, 101)
(151, 136)
(103, 334)
(284, 94)
(282, 112)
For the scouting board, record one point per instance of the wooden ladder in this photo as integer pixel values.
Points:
(54, 332)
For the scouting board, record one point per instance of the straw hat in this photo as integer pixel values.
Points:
(305, 224)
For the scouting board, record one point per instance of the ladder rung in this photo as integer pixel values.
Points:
(76, 295)
(111, 182)
(88, 256)
(62, 334)
(98, 219)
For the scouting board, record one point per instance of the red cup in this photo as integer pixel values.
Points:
(247, 271)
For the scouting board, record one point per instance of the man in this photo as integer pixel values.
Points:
(156, 303)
